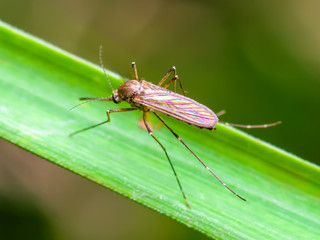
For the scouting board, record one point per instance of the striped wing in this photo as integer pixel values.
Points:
(179, 107)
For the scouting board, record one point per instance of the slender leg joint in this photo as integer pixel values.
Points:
(134, 70)
(165, 151)
(212, 173)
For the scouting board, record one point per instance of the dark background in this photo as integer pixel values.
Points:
(259, 60)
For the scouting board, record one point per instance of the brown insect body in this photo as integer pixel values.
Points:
(127, 91)
(148, 97)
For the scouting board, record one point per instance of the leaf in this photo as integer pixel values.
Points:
(39, 83)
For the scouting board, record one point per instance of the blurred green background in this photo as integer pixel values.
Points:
(258, 60)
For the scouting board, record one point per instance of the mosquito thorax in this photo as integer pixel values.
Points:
(129, 89)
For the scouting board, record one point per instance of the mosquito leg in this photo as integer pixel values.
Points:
(165, 151)
(108, 120)
(87, 128)
(177, 136)
(251, 126)
(119, 110)
(173, 69)
(142, 124)
(134, 70)
(174, 79)
(218, 114)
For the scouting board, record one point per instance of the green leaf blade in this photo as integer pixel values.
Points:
(39, 83)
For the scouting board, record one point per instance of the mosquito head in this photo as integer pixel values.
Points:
(115, 96)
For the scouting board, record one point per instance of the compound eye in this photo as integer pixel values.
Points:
(115, 98)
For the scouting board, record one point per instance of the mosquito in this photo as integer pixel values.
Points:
(151, 99)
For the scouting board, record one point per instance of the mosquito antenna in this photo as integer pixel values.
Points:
(89, 99)
(104, 70)
(251, 126)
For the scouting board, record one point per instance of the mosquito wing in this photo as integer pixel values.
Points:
(176, 105)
